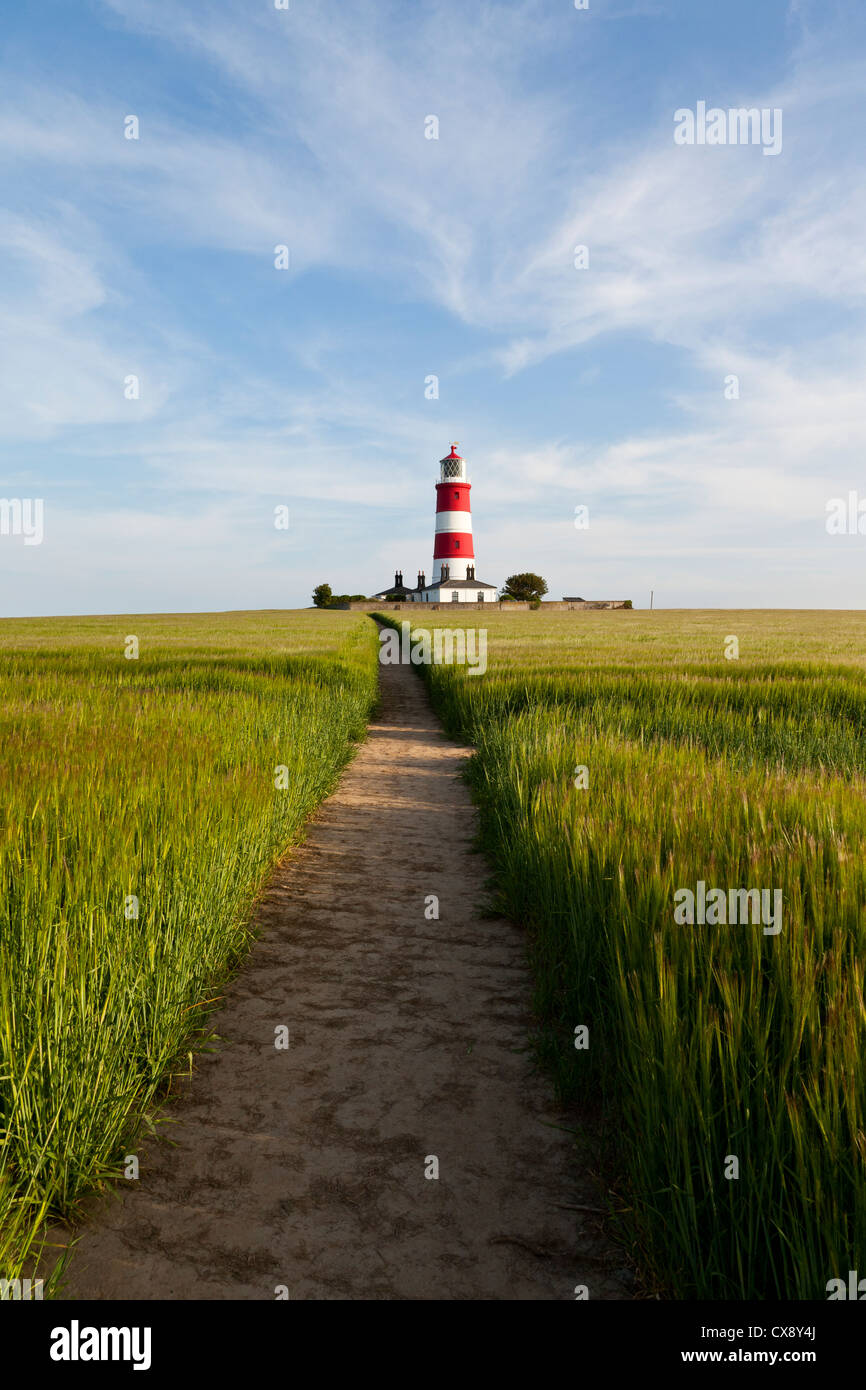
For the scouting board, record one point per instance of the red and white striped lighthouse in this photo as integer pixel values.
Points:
(453, 579)
(453, 552)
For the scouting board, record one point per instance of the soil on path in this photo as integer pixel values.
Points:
(305, 1167)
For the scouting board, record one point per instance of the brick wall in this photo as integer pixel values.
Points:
(549, 605)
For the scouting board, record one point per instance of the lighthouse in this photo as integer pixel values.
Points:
(453, 579)
(453, 575)
(453, 552)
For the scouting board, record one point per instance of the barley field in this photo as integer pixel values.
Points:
(621, 758)
(144, 800)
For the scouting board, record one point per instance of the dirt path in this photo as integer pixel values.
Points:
(306, 1167)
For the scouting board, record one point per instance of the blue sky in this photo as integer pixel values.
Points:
(409, 257)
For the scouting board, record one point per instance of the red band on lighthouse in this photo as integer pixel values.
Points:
(452, 497)
(451, 545)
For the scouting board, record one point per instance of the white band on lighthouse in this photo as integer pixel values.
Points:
(454, 521)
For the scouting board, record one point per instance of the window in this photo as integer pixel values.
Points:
(480, 596)
(455, 597)
(456, 495)
(456, 545)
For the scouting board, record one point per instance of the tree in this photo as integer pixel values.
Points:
(524, 587)
(322, 595)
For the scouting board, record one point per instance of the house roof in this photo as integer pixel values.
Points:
(440, 584)
(459, 584)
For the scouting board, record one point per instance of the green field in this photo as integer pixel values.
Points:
(707, 1042)
(152, 779)
(621, 758)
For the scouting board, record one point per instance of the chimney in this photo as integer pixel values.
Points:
(423, 580)
(396, 578)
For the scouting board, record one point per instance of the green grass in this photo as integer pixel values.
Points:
(155, 778)
(705, 1041)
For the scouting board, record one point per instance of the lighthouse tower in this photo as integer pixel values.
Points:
(453, 552)
(453, 579)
